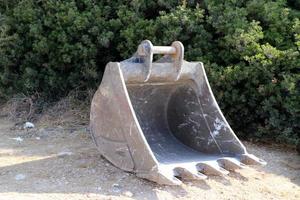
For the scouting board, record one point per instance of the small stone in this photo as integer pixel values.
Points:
(28, 125)
(19, 177)
(116, 188)
(128, 194)
(37, 138)
(64, 153)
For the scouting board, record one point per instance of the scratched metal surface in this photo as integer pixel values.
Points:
(174, 132)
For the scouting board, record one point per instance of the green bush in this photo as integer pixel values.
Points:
(250, 50)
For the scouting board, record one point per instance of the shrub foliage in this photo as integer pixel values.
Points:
(250, 49)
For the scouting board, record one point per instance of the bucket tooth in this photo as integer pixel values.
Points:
(160, 119)
(230, 164)
(189, 173)
(250, 159)
(165, 176)
(168, 180)
(211, 169)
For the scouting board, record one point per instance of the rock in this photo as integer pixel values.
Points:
(116, 188)
(19, 177)
(64, 153)
(28, 125)
(128, 194)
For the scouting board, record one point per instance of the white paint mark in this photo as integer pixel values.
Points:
(215, 133)
(182, 125)
(210, 141)
(193, 121)
(218, 124)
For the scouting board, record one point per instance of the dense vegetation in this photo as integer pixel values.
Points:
(250, 50)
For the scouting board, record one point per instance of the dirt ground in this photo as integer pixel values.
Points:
(63, 163)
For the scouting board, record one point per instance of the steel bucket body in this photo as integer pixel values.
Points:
(161, 121)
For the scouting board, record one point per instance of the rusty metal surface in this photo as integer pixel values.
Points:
(161, 120)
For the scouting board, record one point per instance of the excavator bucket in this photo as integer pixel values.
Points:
(161, 121)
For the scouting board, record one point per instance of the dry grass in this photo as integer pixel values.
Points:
(72, 111)
(18, 108)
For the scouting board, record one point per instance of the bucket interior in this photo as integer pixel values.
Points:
(173, 121)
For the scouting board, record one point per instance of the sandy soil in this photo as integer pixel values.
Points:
(63, 163)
